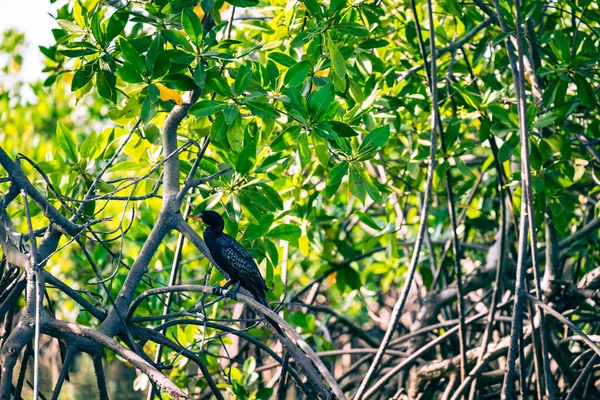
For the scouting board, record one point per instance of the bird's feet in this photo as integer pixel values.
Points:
(233, 292)
(217, 291)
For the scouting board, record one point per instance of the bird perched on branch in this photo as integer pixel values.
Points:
(234, 259)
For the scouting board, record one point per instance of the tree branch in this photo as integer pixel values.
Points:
(54, 325)
(171, 177)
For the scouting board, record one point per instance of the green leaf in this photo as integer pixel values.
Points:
(199, 74)
(301, 39)
(285, 139)
(106, 82)
(357, 184)
(368, 220)
(585, 92)
(181, 57)
(153, 134)
(544, 121)
(230, 113)
(192, 25)
(161, 64)
(96, 29)
(116, 25)
(235, 135)
(334, 179)
(148, 110)
(325, 131)
(506, 151)
(321, 149)
(287, 232)
(375, 139)
(452, 7)
(372, 190)
(303, 150)
(262, 109)
(350, 278)
(296, 101)
(216, 83)
(337, 60)
(205, 108)
(254, 231)
(251, 212)
(177, 39)
(179, 82)
(283, 59)
(297, 74)
(373, 44)
(243, 78)
(313, 7)
(353, 29)
(336, 5)
(132, 55)
(319, 100)
(155, 48)
(89, 146)
(79, 52)
(561, 40)
(82, 77)
(218, 132)
(467, 96)
(243, 3)
(273, 196)
(128, 73)
(66, 142)
(246, 159)
(342, 129)
(207, 5)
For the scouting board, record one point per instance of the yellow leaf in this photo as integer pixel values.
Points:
(68, 77)
(303, 245)
(199, 11)
(322, 72)
(331, 279)
(167, 94)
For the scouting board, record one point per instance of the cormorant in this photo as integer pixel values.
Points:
(234, 259)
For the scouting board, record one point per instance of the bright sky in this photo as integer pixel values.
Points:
(32, 18)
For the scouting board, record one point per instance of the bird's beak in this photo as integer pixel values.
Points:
(196, 216)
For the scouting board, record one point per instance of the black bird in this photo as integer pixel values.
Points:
(234, 259)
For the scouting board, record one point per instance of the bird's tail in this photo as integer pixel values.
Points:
(275, 325)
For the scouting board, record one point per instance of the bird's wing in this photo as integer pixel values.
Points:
(242, 265)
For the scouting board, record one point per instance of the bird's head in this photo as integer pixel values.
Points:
(211, 218)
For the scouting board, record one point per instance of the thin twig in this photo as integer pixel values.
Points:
(593, 345)
(63, 373)
(281, 388)
(582, 379)
(34, 274)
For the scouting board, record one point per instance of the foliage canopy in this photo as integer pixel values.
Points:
(308, 125)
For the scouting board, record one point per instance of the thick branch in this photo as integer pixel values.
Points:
(19, 179)
(154, 375)
(171, 176)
